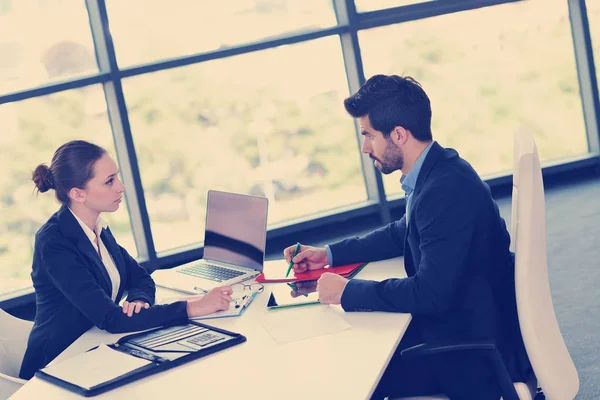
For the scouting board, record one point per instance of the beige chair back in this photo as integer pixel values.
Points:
(552, 364)
(14, 333)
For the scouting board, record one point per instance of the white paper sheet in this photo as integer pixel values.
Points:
(96, 366)
(293, 324)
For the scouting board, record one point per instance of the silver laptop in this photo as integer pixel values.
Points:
(234, 245)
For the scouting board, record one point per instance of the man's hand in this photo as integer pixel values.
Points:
(135, 306)
(308, 258)
(330, 287)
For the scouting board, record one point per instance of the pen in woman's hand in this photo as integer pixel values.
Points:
(296, 250)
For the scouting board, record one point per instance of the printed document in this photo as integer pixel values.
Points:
(95, 366)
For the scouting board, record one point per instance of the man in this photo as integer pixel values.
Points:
(460, 284)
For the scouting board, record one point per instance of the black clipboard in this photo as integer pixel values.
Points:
(164, 348)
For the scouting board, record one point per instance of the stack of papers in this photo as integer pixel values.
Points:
(96, 366)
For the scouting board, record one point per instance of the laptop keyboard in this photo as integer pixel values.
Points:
(210, 272)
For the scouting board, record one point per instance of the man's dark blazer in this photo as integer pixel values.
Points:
(460, 284)
(72, 289)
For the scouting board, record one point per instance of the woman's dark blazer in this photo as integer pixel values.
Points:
(73, 291)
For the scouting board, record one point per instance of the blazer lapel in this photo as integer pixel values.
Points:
(435, 152)
(409, 263)
(73, 231)
(432, 158)
(87, 248)
(113, 248)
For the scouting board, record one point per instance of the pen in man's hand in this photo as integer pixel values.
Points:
(292, 260)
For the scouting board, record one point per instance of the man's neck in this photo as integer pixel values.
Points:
(88, 216)
(412, 154)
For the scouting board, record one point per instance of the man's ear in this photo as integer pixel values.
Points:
(400, 135)
(77, 195)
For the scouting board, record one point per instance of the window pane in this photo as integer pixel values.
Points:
(509, 68)
(372, 5)
(267, 123)
(195, 26)
(43, 41)
(593, 10)
(31, 131)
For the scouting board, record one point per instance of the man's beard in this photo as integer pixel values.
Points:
(392, 159)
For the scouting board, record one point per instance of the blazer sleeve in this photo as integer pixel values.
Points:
(70, 274)
(381, 244)
(140, 284)
(447, 219)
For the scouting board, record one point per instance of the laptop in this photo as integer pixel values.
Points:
(234, 245)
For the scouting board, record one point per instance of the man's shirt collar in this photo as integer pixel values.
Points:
(409, 180)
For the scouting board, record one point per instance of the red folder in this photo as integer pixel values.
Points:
(274, 271)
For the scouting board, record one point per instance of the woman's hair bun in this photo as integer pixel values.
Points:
(42, 177)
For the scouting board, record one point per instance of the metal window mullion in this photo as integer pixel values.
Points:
(413, 12)
(588, 84)
(119, 120)
(52, 88)
(345, 11)
(176, 62)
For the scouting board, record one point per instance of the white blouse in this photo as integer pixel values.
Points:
(107, 260)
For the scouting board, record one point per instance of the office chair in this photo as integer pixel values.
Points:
(546, 349)
(14, 333)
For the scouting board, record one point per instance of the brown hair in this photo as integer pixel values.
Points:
(72, 166)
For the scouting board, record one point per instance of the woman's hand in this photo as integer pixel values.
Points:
(134, 307)
(217, 299)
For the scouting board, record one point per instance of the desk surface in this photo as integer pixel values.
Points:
(341, 365)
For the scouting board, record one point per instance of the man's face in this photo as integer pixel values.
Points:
(386, 156)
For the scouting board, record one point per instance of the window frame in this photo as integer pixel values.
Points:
(349, 22)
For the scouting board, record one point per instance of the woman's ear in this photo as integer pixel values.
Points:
(77, 195)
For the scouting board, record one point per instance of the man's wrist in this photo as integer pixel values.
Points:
(329, 255)
(344, 288)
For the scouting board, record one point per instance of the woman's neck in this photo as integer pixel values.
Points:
(88, 216)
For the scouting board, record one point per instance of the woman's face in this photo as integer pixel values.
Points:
(104, 192)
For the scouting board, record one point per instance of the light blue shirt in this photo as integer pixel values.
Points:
(329, 254)
(408, 183)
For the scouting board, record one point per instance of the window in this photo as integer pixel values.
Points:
(151, 30)
(43, 41)
(372, 5)
(593, 11)
(508, 68)
(31, 131)
(267, 123)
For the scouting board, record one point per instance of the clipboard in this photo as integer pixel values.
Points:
(236, 307)
(274, 272)
(136, 356)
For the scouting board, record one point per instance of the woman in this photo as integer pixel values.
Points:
(80, 273)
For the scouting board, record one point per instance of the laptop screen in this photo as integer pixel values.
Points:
(236, 229)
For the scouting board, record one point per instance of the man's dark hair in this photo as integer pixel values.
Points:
(390, 101)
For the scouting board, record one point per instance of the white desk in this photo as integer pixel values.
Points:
(343, 365)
